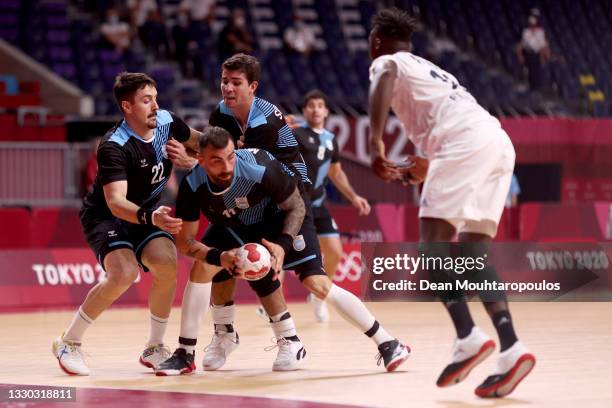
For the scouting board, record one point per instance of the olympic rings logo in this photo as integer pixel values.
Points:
(349, 267)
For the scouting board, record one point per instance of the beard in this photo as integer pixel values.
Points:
(152, 122)
(223, 180)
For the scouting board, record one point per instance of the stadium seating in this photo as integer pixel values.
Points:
(483, 33)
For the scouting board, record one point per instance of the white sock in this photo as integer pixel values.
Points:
(315, 300)
(354, 311)
(80, 323)
(196, 300)
(157, 329)
(283, 325)
(223, 316)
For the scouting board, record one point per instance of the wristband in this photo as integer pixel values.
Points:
(285, 241)
(213, 257)
(145, 216)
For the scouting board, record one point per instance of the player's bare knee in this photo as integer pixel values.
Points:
(318, 285)
(164, 262)
(122, 277)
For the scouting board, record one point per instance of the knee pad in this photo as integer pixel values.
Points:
(266, 285)
(222, 276)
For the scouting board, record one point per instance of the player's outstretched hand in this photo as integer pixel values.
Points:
(277, 252)
(229, 259)
(162, 219)
(362, 205)
(178, 154)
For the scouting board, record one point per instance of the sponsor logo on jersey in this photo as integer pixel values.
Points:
(311, 139)
(112, 234)
(143, 163)
(242, 203)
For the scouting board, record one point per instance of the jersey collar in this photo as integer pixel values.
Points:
(131, 133)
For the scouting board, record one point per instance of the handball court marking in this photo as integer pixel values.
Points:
(572, 342)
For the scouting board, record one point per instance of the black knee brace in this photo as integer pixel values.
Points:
(222, 276)
(266, 285)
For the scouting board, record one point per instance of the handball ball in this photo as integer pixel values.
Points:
(253, 261)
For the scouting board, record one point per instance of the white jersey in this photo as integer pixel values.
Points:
(430, 102)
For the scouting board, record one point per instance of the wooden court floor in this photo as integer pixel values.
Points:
(572, 342)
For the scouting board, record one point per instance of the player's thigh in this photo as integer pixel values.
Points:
(159, 255)
(331, 246)
(154, 248)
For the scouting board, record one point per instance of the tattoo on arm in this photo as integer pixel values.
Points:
(296, 210)
(195, 249)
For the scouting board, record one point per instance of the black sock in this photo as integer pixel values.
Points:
(293, 338)
(505, 329)
(228, 328)
(460, 314)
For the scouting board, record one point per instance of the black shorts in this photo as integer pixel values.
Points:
(304, 258)
(324, 222)
(105, 236)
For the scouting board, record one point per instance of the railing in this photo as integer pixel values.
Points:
(42, 174)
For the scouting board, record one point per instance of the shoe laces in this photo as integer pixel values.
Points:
(73, 348)
(284, 347)
(163, 350)
(218, 339)
(379, 358)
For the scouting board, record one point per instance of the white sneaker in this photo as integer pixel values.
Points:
(220, 347)
(290, 354)
(512, 366)
(70, 356)
(154, 354)
(261, 312)
(468, 352)
(321, 311)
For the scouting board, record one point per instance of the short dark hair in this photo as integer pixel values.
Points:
(394, 23)
(127, 83)
(314, 94)
(215, 137)
(247, 64)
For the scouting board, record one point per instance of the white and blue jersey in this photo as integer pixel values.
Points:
(144, 164)
(259, 184)
(319, 150)
(265, 129)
